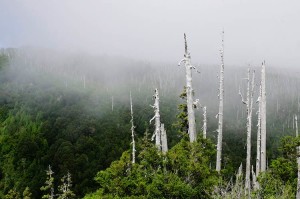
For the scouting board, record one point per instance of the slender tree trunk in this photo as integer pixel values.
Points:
(249, 104)
(164, 142)
(298, 181)
(132, 132)
(298, 161)
(157, 133)
(254, 180)
(263, 119)
(258, 134)
(220, 114)
(296, 125)
(204, 122)
(189, 93)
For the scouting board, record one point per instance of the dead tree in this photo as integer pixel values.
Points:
(204, 128)
(189, 93)
(298, 161)
(249, 104)
(157, 132)
(258, 134)
(132, 132)
(263, 158)
(296, 125)
(221, 107)
(164, 142)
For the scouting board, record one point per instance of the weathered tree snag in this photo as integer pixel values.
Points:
(157, 132)
(298, 161)
(204, 128)
(258, 134)
(249, 104)
(263, 156)
(132, 132)
(220, 114)
(189, 93)
(164, 142)
(296, 125)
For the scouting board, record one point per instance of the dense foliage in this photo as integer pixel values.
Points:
(183, 172)
(50, 119)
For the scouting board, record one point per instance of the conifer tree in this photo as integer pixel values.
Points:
(26, 193)
(65, 187)
(49, 186)
(12, 194)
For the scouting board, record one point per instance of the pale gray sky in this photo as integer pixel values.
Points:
(153, 30)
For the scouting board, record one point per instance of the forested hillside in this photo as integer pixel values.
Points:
(72, 111)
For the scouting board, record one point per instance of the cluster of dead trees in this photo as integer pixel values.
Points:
(261, 160)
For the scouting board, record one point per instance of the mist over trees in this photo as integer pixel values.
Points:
(56, 108)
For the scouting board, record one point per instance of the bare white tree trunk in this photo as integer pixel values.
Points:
(263, 156)
(258, 134)
(298, 103)
(189, 93)
(164, 142)
(204, 122)
(254, 180)
(239, 173)
(132, 132)
(298, 181)
(249, 104)
(157, 133)
(220, 114)
(298, 161)
(296, 125)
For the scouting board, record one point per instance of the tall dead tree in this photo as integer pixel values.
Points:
(249, 104)
(296, 125)
(263, 158)
(221, 107)
(298, 181)
(132, 131)
(164, 142)
(157, 132)
(258, 134)
(298, 160)
(204, 128)
(189, 92)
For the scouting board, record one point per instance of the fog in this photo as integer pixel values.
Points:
(153, 30)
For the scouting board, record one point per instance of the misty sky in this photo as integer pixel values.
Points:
(153, 30)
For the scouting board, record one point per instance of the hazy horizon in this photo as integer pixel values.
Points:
(153, 30)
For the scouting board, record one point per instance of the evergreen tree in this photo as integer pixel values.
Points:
(49, 186)
(26, 193)
(182, 124)
(65, 187)
(12, 194)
